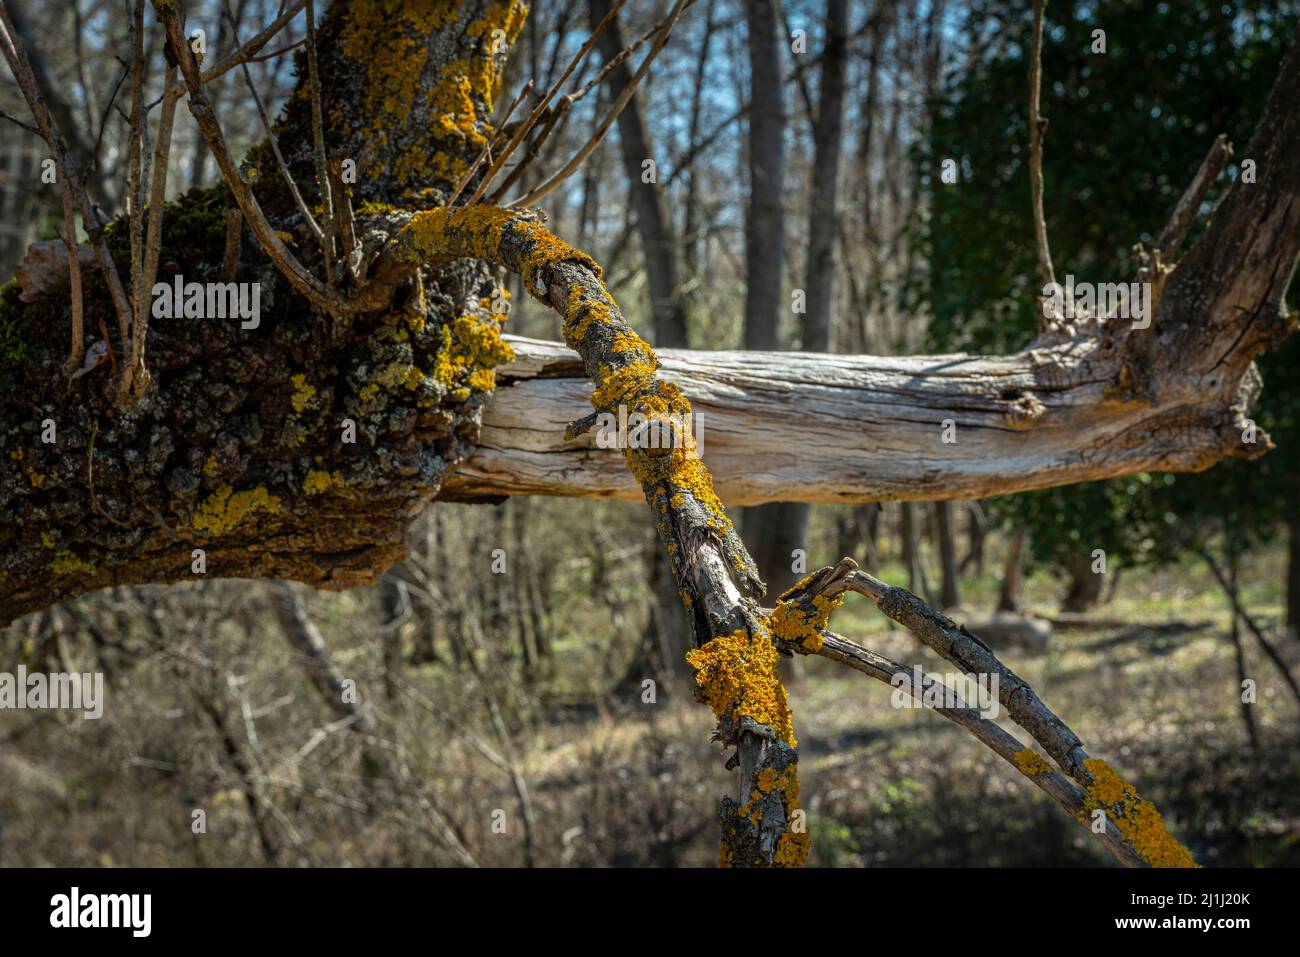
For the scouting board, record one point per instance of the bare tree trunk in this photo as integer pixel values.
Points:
(1085, 585)
(1239, 657)
(823, 215)
(917, 576)
(691, 226)
(781, 528)
(765, 215)
(1009, 598)
(774, 530)
(330, 683)
(950, 594)
(977, 530)
(658, 237)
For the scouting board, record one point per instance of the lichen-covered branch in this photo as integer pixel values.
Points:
(735, 657)
(805, 607)
(1025, 760)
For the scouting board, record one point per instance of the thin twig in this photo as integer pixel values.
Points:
(310, 220)
(555, 117)
(545, 189)
(299, 277)
(131, 350)
(157, 202)
(1037, 129)
(345, 222)
(74, 275)
(1240, 611)
(230, 256)
(318, 145)
(538, 110)
(248, 51)
(486, 152)
(16, 57)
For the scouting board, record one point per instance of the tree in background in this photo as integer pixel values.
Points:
(1181, 80)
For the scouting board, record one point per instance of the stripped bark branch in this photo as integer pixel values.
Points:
(1189, 204)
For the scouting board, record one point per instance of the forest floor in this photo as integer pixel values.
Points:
(611, 780)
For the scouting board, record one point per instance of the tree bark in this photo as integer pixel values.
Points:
(774, 530)
(1009, 596)
(823, 217)
(765, 215)
(843, 429)
(950, 591)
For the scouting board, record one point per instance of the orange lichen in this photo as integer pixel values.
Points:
(1136, 817)
(478, 232)
(736, 675)
(1030, 762)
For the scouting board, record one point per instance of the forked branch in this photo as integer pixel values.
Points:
(1099, 787)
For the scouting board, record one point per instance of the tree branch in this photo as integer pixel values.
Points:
(808, 604)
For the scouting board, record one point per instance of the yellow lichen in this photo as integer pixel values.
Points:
(391, 41)
(319, 481)
(1136, 817)
(65, 563)
(793, 846)
(1030, 762)
(471, 349)
(303, 392)
(801, 624)
(226, 509)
